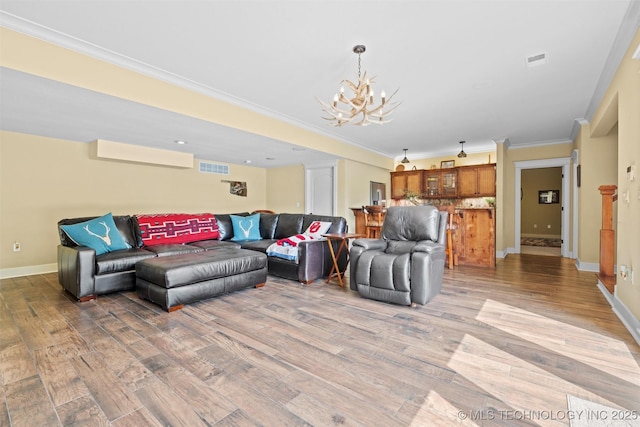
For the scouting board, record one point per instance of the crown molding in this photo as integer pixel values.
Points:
(541, 143)
(577, 124)
(83, 47)
(628, 28)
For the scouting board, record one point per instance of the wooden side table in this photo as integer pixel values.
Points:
(344, 244)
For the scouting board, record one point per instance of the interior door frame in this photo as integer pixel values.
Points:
(564, 163)
(307, 182)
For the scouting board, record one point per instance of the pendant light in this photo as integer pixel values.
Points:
(405, 160)
(462, 154)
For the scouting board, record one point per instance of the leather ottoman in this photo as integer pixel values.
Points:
(173, 281)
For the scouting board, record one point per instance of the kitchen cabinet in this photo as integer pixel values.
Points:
(440, 183)
(404, 181)
(474, 237)
(477, 180)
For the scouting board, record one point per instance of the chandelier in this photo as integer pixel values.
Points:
(360, 109)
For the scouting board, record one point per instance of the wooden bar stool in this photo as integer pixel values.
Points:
(450, 252)
(373, 220)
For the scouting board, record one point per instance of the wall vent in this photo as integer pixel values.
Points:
(206, 167)
(535, 60)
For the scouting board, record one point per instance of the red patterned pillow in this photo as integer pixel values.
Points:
(177, 228)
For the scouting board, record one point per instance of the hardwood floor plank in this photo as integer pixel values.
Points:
(83, 411)
(112, 395)
(518, 337)
(28, 404)
(167, 407)
(16, 364)
(58, 376)
(207, 402)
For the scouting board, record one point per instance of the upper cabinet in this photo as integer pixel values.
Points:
(440, 183)
(477, 180)
(459, 182)
(407, 181)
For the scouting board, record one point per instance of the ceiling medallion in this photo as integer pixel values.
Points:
(360, 109)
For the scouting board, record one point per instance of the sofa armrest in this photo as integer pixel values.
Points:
(314, 260)
(76, 270)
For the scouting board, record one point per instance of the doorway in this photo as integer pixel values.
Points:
(562, 197)
(320, 192)
(541, 219)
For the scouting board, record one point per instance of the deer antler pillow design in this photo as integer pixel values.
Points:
(99, 234)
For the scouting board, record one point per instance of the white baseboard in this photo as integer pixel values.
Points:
(624, 314)
(587, 266)
(8, 273)
(507, 251)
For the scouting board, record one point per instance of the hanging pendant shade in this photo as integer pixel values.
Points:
(405, 160)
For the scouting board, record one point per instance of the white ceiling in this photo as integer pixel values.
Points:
(460, 67)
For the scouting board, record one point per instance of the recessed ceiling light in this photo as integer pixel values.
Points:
(180, 142)
(298, 149)
(247, 161)
(270, 158)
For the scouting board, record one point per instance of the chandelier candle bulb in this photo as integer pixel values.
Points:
(383, 97)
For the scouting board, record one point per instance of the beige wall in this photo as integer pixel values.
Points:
(621, 105)
(43, 180)
(598, 158)
(536, 217)
(285, 189)
(505, 202)
(354, 186)
(434, 162)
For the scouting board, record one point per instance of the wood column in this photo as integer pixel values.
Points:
(607, 237)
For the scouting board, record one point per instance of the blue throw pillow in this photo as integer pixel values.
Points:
(99, 234)
(246, 227)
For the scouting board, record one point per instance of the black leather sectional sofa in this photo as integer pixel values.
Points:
(86, 275)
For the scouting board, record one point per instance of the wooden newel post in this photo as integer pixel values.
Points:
(607, 234)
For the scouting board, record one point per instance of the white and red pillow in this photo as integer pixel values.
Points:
(287, 248)
(158, 229)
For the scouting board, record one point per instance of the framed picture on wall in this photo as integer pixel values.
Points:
(446, 164)
(548, 196)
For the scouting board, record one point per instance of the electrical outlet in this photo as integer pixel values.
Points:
(16, 246)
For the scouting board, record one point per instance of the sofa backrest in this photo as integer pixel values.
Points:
(288, 225)
(127, 226)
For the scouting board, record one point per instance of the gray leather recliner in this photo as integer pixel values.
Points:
(406, 265)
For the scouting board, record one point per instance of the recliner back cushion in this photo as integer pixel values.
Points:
(288, 225)
(413, 223)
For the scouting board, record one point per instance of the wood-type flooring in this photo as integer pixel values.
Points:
(502, 346)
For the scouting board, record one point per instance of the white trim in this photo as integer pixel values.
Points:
(539, 143)
(307, 193)
(83, 47)
(622, 311)
(8, 273)
(587, 266)
(563, 162)
(574, 204)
